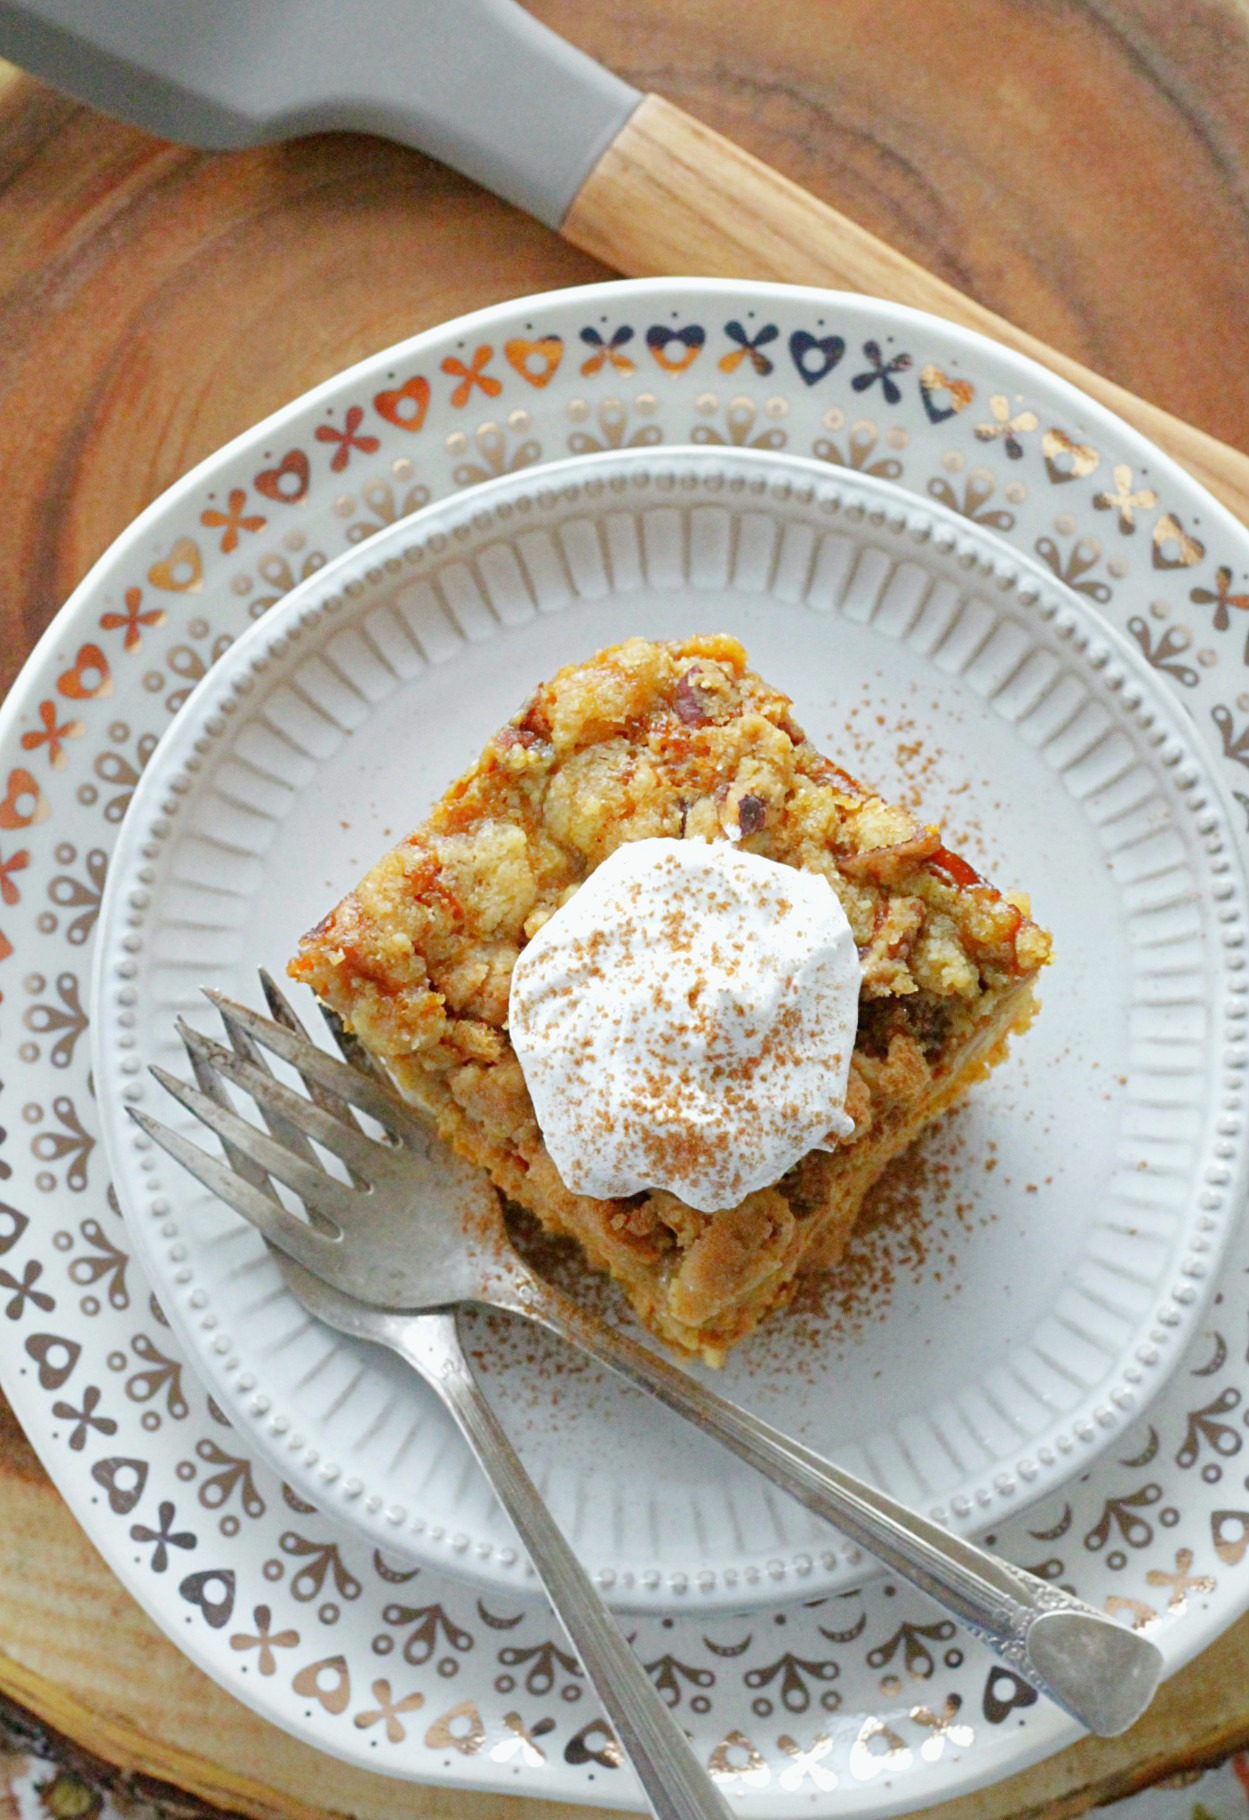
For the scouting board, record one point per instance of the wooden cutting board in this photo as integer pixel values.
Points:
(1081, 166)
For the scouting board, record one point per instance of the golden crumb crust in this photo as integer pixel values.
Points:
(683, 741)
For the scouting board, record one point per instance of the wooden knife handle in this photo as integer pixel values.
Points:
(671, 197)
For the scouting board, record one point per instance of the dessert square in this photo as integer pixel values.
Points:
(677, 742)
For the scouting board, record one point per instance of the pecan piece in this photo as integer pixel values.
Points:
(705, 693)
(751, 813)
(884, 958)
(688, 703)
(890, 865)
(741, 812)
(942, 860)
(516, 736)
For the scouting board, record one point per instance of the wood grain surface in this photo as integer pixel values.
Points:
(670, 196)
(1081, 166)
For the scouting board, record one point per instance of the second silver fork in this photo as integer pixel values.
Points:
(416, 1229)
(649, 1735)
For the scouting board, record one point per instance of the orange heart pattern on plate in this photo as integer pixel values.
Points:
(182, 571)
(536, 361)
(288, 482)
(689, 341)
(1173, 547)
(89, 677)
(406, 406)
(959, 392)
(24, 802)
(1081, 459)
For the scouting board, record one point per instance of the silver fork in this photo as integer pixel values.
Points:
(418, 1230)
(676, 1784)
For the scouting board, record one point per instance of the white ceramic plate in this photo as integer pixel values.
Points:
(870, 1697)
(353, 704)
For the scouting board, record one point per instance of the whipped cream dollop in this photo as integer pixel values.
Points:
(686, 1021)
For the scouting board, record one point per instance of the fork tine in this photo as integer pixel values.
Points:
(309, 1181)
(211, 1084)
(350, 1047)
(361, 1090)
(284, 1013)
(283, 1129)
(274, 1097)
(209, 1081)
(307, 1244)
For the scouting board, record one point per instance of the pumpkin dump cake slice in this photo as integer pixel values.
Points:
(668, 743)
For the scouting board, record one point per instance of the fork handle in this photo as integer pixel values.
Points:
(1095, 1669)
(676, 1784)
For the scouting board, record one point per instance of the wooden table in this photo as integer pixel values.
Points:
(1081, 166)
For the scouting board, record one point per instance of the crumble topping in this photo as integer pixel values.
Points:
(679, 742)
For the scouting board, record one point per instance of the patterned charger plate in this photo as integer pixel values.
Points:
(340, 714)
(870, 1693)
